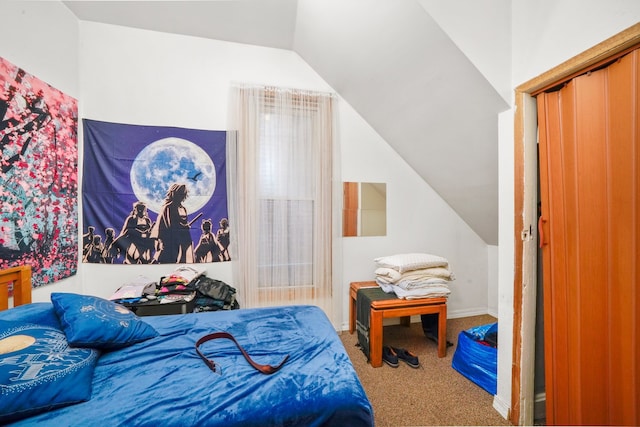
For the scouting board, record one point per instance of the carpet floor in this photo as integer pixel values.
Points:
(432, 395)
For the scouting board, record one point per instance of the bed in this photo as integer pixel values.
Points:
(162, 381)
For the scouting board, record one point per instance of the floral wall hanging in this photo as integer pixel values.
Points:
(38, 176)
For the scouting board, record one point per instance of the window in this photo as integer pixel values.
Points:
(281, 158)
(286, 252)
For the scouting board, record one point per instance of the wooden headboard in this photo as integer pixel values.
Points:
(21, 278)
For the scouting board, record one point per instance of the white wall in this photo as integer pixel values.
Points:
(502, 400)
(482, 31)
(546, 33)
(418, 220)
(492, 280)
(144, 77)
(42, 38)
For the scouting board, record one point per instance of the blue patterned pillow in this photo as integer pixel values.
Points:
(39, 371)
(90, 321)
(38, 313)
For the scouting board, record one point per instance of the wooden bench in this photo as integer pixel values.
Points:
(395, 307)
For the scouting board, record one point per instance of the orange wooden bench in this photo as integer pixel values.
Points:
(395, 307)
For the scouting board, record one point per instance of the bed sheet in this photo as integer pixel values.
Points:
(163, 382)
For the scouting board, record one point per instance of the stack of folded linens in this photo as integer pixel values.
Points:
(414, 275)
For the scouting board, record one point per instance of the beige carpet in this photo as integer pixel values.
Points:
(432, 395)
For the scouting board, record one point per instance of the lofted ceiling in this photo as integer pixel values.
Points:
(388, 58)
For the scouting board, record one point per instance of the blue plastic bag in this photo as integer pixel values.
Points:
(476, 361)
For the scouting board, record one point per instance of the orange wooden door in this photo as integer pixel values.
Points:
(590, 232)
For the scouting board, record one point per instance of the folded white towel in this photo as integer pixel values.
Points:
(428, 273)
(389, 275)
(412, 261)
(421, 284)
(435, 292)
(388, 288)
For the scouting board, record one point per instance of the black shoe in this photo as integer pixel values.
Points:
(389, 356)
(407, 357)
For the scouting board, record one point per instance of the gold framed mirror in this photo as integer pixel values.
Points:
(364, 209)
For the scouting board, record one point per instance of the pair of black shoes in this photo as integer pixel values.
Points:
(391, 355)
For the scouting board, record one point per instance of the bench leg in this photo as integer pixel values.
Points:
(375, 338)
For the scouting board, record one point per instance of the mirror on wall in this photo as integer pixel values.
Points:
(365, 209)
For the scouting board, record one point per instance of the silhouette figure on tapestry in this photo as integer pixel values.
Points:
(87, 240)
(134, 240)
(208, 248)
(171, 229)
(94, 250)
(222, 235)
(110, 252)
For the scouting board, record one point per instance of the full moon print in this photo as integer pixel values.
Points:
(154, 195)
(168, 161)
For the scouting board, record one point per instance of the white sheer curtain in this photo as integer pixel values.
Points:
(283, 175)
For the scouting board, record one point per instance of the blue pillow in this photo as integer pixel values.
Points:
(38, 313)
(39, 371)
(90, 321)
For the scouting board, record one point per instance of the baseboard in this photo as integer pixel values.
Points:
(501, 406)
(467, 312)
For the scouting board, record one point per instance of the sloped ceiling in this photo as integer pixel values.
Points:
(388, 58)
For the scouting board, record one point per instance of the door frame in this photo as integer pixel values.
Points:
(525, 201)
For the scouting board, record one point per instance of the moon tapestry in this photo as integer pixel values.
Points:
(153, 195)
(38, 176)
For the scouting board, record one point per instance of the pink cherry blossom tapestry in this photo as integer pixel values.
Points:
(38, 176)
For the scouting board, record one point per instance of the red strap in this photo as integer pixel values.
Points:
(265, 369)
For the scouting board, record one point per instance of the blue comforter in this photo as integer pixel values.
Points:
(163, 382)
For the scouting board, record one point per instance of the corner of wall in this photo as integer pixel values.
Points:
(501, 406)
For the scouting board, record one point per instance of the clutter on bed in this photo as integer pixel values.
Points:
(414, 275)
(209, 294)
(476, 356)
(185, 284)
(178, 286)
(146, 371)
(213, 295)
(135, 290)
